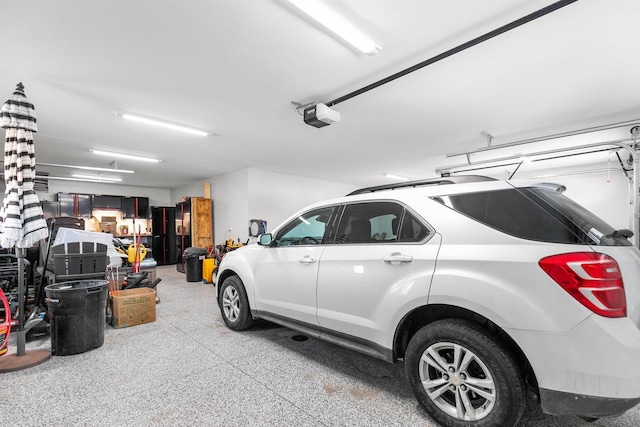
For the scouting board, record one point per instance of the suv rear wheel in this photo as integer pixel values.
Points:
(459, 373)
(234, 304)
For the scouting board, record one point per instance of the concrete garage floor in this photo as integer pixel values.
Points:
(188, 369)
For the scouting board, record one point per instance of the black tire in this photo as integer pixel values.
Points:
(486, 384)
(234, 304)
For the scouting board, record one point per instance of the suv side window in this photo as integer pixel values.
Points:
(307, 229)
(535, 214)
(412, 230)
(369, 222)
(511, 212)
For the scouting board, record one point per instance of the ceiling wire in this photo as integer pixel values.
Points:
(491, 34)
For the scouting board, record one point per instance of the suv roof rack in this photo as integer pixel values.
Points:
(460, 179)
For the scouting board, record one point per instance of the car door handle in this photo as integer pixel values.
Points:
(306, 260)
(397, 258)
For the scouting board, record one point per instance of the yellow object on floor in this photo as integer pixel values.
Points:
(208, 264)
(131, 252)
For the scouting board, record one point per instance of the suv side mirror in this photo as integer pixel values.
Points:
(265, 239)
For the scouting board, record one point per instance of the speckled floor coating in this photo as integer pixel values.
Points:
(187, 368)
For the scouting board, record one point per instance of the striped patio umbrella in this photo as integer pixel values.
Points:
(22, 222)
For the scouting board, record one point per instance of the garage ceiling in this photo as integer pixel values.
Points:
(234, 67)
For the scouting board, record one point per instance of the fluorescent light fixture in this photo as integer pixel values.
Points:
(124, 156)
(66, 178)
(399, 178)
(87, 168)
(162, 124)
(336, 23)
(96, 177)
(88, 178)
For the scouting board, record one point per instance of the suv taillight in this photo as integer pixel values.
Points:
(593, 279)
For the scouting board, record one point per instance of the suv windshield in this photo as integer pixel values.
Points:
(536, 214)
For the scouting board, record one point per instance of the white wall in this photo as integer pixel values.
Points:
(195, 189)
(256, 194)
(607, 199)
(274, 196)
(230, 205)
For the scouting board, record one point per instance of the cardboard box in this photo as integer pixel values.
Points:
(133, 307)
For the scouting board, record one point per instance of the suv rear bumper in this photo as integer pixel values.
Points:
(590, 370)
(561, 403)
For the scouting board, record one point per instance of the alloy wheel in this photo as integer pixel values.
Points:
(231, 303)
(457, 381)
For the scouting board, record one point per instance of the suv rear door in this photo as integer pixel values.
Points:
(381, 256)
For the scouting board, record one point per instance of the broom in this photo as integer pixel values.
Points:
(136, 257)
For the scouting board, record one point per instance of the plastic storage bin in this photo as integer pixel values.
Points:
(77, 313)
(193, 258)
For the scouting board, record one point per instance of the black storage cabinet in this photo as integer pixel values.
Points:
(77, 313)
(193, 263)
(101, 201)
(163, 244)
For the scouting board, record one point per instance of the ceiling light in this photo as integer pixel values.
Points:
(67, 178)
(96, 177)
(399, 178)
(88, 168)
(336, 23)
(162, 124)
(124, 156)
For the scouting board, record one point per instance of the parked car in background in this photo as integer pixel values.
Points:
(484, 288)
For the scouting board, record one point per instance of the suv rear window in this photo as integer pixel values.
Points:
(535, 214)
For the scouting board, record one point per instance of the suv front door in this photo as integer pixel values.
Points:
(286, 273)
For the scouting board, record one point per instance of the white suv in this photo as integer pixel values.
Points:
(484, 288)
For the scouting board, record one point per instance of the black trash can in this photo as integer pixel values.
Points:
(77, 313)
(193, 263)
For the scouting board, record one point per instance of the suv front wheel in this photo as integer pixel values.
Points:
(234, 304)
(462, 375)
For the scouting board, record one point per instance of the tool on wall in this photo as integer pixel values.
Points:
(257, 227)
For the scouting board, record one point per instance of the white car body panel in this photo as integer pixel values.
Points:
(629, 261)
(514, 293)
(240, 262)
(599, 357)
(373, 292)
(285, 281)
